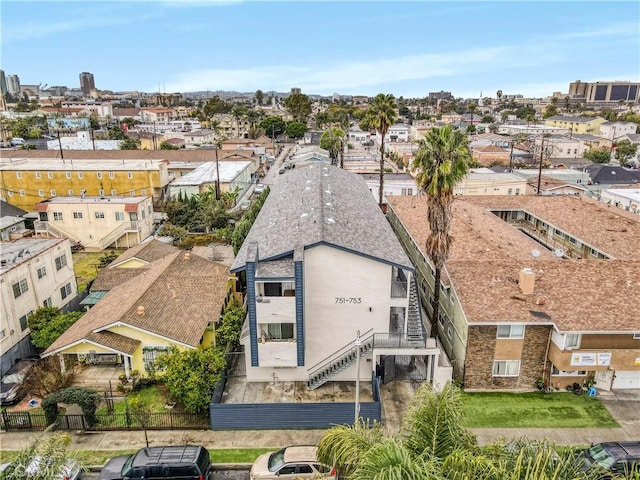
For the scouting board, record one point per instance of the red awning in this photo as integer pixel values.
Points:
(131, 207)
(41, 207)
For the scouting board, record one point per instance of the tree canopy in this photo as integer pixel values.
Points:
(296, 129)
(273, 126)
(333, 140)
(598, 155)
(48, 323)
(299, 106)
(191, 375)
(625, 151)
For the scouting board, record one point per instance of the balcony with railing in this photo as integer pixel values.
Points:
(275, 309)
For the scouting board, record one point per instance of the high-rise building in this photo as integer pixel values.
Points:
(87, 83)
(13, 84)
(3, 83)
(593, 92)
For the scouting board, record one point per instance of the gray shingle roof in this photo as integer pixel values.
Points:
(321, 204)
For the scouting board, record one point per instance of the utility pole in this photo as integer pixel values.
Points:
(60, 145)
(358, 342)
(540, 164)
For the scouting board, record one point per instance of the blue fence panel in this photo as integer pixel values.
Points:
(278, 416)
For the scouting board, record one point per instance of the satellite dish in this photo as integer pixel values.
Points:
(558, 252)
(535, 253)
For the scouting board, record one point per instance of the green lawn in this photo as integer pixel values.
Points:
(85, 265)
(535, 410)
(153, 397)
(99, 457)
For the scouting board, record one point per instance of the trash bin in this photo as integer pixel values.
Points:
(593, 392)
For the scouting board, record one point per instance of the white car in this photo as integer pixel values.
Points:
(70, 471)
(295, 462)
(259, 188)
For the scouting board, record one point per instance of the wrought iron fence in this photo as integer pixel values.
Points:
(12, 421)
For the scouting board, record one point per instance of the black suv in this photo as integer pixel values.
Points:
(184, 462)
(614, 457)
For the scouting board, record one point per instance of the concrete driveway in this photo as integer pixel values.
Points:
(624, 406)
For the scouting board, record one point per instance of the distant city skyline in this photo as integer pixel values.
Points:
(352, 48)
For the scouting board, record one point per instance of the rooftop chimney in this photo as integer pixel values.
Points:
(527, 281)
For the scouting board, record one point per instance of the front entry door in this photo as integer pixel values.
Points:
(388, 368)
(603, 379)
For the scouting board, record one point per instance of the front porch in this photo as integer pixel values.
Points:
(103, 378)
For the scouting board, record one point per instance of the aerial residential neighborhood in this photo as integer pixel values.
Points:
(229, 252)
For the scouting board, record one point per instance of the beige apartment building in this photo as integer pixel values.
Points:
(96, 222)
(33, 273)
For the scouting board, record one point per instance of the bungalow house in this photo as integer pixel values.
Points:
(535, 287)
(325, 273)
(173, 301)
(490, 154)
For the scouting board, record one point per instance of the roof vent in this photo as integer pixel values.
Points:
(140, 310)
(187, 255)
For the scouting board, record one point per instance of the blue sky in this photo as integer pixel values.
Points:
(350, 47)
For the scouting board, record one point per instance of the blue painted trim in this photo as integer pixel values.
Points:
(251, 310)
(275, 279)
(299, 275)
(360, 254)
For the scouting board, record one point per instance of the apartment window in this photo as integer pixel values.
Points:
(149, 209)
(38, 175)
(42, 272)
(10, 193)
(132, 193)
(61, 261)
(49, 174)
(79, 174)
(2, 334)
(151, 354)
(572, 340)
(53, 193)
(143, 192)
(113, 192)
(24, 321)
(20, 288)
(65, 291)
(68, 175)
(41, 193)
(280, 331)
(129, 175)
(449, 332)
(57, 216)
(77, 215)
(119, 216)
(112, 175)
(18, 174)
(510, 331)
(21, 192)
(47, 302)
(70, 192)
(143, 213)
(99, 174)
(101, 192)
(510, 191)
(517, 191)
(572, 373)
(99, 215)
(506, 368)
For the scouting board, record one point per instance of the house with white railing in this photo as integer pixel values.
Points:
(327, 279)
(96, 222)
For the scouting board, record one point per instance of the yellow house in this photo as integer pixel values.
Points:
(579, 125)
(173, 301)
(27, 181)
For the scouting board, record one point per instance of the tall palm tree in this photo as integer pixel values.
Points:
(214, 124)
(442, 160)
(380, 115)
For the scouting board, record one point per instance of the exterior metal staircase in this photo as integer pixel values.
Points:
(342, 359)
(415, 327)
(47, 227)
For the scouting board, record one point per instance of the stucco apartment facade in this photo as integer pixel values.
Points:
(27, 181)
(322, 264)
(96, 222)
(579, 125)
(34, 273)
(535, 287)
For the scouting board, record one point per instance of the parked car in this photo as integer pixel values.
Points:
(291, 462)
(615, 457)
(259, 188)
(11, 385)
(245, 205)
(179, 462)
(17, 141)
